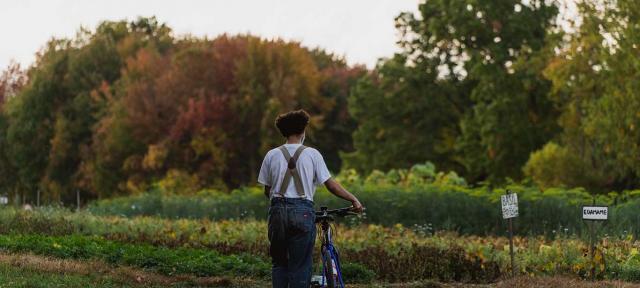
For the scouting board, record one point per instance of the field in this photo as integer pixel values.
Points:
(111, 251)
(422, 229)
(409, 237)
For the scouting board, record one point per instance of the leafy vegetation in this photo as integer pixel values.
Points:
(159, 259)
(419, 197)
(20, 277)
(239, 247)
(467, 82)
(195, 244)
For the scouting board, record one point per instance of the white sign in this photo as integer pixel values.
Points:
(4, 200)
(595, 212)
(509, 205)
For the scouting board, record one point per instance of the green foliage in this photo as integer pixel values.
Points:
(421, 198)
(357, 273)
(20, 276)
(167, 261)
(395, 253)
(594, 86)
(466, 84)
(557, 166)
(370, 246)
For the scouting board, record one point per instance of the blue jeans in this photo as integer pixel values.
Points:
(292, 235)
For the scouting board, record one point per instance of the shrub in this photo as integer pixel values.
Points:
(357, 273)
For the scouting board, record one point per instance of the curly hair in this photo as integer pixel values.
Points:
(292, 123)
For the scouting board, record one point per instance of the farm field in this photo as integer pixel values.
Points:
(28, 270)
(149, 250)
(212, 238)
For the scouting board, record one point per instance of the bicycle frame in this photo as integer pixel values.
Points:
(327, 245)
(331, 268)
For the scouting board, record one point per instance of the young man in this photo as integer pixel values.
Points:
(290, 174)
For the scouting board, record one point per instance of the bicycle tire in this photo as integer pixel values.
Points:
(328, 262)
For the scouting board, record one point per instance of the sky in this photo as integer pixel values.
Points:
(360, 30)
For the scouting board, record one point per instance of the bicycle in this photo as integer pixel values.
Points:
(331, 274)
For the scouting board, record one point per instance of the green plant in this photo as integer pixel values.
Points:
(164, 260)
(418, 197)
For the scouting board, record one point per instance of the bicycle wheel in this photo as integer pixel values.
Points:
(327, 261)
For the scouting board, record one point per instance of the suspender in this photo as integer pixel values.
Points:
(292, 172)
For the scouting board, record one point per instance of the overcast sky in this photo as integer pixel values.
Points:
(360, 30)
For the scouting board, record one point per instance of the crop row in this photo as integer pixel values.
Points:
(431, 207)
(164, 260)
(394, 253)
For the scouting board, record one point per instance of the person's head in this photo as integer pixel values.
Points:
(292, 123)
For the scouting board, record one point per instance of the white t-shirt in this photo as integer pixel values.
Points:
(313, 171)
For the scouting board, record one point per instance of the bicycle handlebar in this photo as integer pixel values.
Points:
(338, 212)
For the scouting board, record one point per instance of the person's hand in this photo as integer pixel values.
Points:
(357, 207)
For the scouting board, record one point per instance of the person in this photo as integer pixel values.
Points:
(290, 174)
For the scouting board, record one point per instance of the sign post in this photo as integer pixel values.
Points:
(592, 214)
(510, 211)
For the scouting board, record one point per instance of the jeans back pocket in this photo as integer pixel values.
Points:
(302, 219)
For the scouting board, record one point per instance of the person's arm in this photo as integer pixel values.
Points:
(336, 189)
(267, 190)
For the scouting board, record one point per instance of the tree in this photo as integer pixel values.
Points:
(594, 85)
(127, 106)
(273, 77)
(50, 121)
(404, 115)
(336, 80)
(467, 83)
(11, 82)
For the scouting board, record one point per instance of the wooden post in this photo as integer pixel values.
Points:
(38, 199)
(78, 199)
(592, 245)
(513, 266)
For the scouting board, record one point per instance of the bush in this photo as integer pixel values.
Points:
(357, 273)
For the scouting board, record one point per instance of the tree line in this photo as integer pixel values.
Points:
(116, 109)
(494, 90)
(505, 91)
